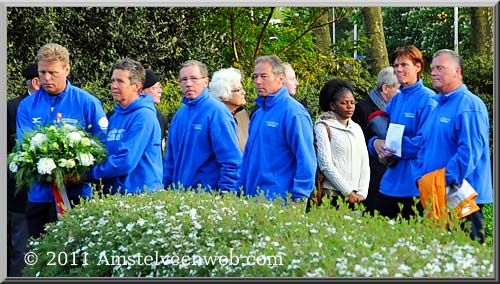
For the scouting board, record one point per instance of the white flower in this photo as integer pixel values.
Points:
(68, 127)
(45, 166)
(70, 163)
(141, 222)
(73, 137)
(63, 163)
(13, 167)
(86, 142)
(86, 159)
(38, 140)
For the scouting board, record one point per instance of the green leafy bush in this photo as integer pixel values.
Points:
(488, 216)
(184, 234)
(170, 98)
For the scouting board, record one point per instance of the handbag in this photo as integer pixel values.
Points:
(318, 194)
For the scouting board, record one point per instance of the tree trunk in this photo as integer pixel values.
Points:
(321, 35)
(481, 31)
(376, 50)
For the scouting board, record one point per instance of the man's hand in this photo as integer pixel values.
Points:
(73, 180)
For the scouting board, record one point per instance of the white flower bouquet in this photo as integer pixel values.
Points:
(55, 152)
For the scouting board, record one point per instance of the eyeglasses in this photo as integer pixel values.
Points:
(236, 90)
(192, 79)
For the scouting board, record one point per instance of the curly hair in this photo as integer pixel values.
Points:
(332, 91)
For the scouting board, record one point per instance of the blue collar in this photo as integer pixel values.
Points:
(267, 102)
(443, 98)
(203, 96)
(413, 88)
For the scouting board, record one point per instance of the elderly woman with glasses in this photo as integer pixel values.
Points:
(226, 87)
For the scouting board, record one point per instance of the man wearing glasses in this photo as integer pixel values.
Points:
(202, 146)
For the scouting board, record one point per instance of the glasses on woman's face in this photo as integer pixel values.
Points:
(236, 90)
(185, 80)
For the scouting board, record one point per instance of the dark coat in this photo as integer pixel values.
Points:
(15, 202)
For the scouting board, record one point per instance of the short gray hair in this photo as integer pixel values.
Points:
(275, 62)
(135, 68)
(453, 55)
(201, 66)
(220, 85)
(387, 76)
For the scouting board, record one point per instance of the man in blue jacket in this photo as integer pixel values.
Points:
(134, 161)
(56, 102)
(279, 156)
(456, 135)
(202, 144)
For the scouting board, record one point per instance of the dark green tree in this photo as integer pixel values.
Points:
(96, 37)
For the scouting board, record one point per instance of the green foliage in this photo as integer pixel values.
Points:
(428, 28)
(238, 234)
(96, 37)
(312, 77)
(489, 218)
(102, 90)
(171, 98)
(478, 74)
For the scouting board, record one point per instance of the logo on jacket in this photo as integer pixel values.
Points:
(69, 121)
(35, 120)
(272, 123)
(115, 134)
(444, 119)
(103, 123)
(197, 126)
(409, 114)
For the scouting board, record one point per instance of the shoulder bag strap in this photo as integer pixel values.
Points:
(328, 131)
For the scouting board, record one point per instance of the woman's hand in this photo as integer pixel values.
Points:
(353, 197)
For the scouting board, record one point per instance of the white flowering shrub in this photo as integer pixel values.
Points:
(184, 234)
(53, 152)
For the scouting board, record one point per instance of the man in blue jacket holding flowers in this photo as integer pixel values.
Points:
(58, 101)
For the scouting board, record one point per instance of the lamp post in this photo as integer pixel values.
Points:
(355, 40)
(333, 29)
(455, 24)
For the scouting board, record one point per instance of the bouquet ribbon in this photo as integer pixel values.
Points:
(61, 198)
